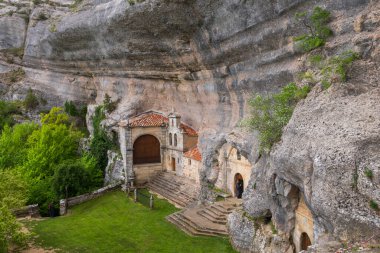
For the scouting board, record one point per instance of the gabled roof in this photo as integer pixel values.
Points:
(155, 119)
(151, 119)
(193, 153)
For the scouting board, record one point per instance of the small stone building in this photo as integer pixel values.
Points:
(303, 235)
(232, 166)
(152, 142)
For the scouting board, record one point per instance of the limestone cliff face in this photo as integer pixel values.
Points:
(205, 58)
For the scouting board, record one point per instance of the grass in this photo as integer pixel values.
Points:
(114, 223)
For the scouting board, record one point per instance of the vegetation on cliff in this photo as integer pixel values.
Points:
(269, 114)
(316, 23)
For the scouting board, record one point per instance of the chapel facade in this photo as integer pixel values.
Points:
(152, 142)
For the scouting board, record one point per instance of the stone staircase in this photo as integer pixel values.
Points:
(218, 212)
(205, 220)
(180, 191)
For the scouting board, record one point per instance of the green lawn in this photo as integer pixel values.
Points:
(113, 223)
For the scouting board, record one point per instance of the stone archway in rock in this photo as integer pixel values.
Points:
(146, 149)
(304, 241)
(238, 185)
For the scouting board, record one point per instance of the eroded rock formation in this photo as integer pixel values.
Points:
(205, 58)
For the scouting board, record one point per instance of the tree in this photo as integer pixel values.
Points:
(13, 148)
(270, 114)
(70, 179)
(316, 23)
(12, 195)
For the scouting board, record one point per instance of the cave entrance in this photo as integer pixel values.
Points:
(305, 241)
(238, 185)
(146, 149)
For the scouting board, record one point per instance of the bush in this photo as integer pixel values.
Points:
(70, 108)
(70, 179)
(100, 142)
(316, 23)
(7, 110)
(373, 204)
(13, 191)
(31, 100)
(332, 69)
(109, 105)
(270, 114)
(368, 173)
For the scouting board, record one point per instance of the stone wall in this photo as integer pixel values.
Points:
(27, 211)
(70, 202)
(230, 165)
(145, 172)
(191, 169)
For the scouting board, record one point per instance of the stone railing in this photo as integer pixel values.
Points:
(27, 211)
(64, 204)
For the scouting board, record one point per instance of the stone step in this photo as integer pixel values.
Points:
(190, 194)
(174, 188)
(174, 198)
(218, 220)
(188, 223)
(200, 226)
(184, 227)
(219, 209)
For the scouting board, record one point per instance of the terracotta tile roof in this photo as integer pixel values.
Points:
(155, 119)
(194, 154)
(151, 119)
(189, 130)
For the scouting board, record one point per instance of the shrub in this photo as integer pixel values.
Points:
(53, 28)
(373, 204)
(13, 191)
(368, 173)
(329, 70)
(42, 16)
(316, 23)
(15, 75)
(70, 108)
(70, 179)
(31, 100)
(100, 142)
(7, 110)
(108, 104)
(16, 51)
(270, 114)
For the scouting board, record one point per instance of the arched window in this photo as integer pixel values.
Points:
(170, 139)
(146, 149)
(175, 140)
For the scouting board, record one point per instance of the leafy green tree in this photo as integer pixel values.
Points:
(71, 179)
(53, 143)
(316, 23)
(13, 148)
(270, 114)
(12, 195)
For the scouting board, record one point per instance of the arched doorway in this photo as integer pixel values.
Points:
(238, 185)
(146, 149)
(305, 241)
